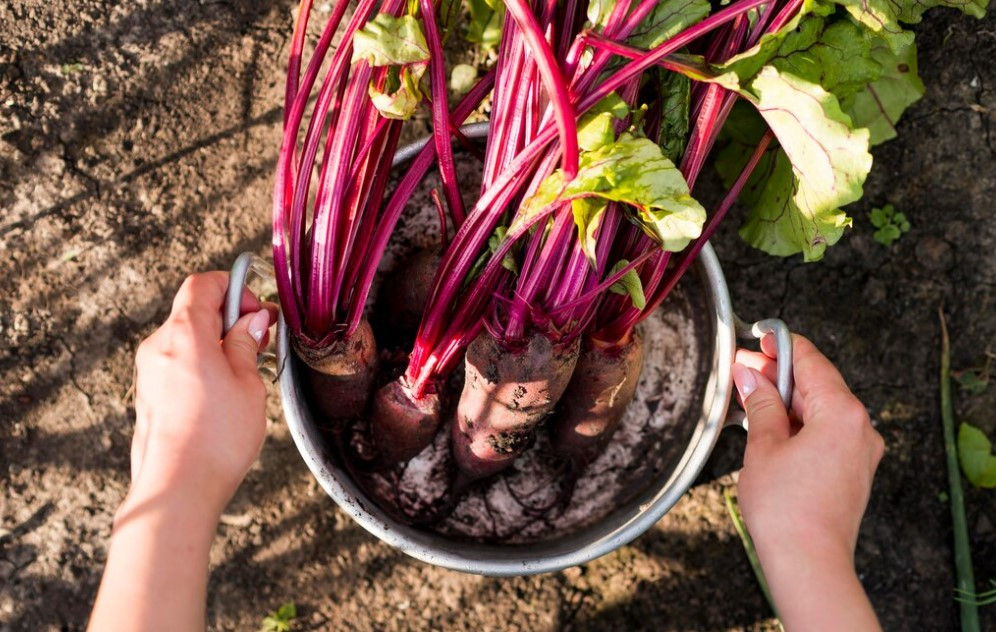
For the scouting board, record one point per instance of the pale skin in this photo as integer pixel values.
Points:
(804, 486)
(200, 424)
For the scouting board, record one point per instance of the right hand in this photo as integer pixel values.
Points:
(807, 471)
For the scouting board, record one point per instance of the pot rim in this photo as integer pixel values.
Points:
(611, 532)
(616, 529)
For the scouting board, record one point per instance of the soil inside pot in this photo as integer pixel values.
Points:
(537, 498)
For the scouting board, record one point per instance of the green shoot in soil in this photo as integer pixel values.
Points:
(979, 599)
(962, 550)
(890, 224)
(281, 620)
(748, 542)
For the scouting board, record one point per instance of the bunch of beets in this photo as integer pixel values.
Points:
(602, 116)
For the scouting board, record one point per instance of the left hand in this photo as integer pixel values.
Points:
(199, 400)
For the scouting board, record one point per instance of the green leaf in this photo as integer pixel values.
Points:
(396, 42)
(879, 104)
(390, 41)
(776, 224)
(485, 23)
(883, 16)
(745, 127)
(287, 611)
(802, 31)
(665, 20)
(401, 94)
(599, 12)
(281, 620)
(675, 91)
(494, 242)
(890, 224)
(887, 234)
(976, 457)
(880, 216)
(449, 16)
(822, 166)
(462, 78)
(632, 171)
(588, 216)
(595, 128)
(629, 284)
(971, 382)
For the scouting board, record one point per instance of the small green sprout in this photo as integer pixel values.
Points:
(281, 620)
(976, 457)
(71, 69)
(890, 225)
(974, 380)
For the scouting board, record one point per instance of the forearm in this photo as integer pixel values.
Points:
(815, 588)
(157, 566)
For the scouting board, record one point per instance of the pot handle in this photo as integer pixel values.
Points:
(245, 264)
(783, 351)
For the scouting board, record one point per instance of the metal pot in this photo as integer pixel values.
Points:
(626, 522)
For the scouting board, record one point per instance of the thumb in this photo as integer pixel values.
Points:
(242, 342)
(766, 413)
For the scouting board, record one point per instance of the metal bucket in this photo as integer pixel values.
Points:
(626, 522)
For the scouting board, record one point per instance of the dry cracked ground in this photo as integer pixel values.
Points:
(137, 142)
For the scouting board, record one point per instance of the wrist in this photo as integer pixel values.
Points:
(157, 563)
(164, 502)
(188, 484)
(814, 585)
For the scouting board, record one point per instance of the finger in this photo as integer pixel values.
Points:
(248, 303)
(244, 340)
(198, 304)
(769, 421)
(759, 362)
(274, 311)
(204, 289)
(769, 345)
(769, 368)
(818, 383)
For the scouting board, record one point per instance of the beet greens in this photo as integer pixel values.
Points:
(602, 116)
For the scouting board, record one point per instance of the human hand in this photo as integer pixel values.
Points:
(199, 400)
(200, 422)
(805, 484)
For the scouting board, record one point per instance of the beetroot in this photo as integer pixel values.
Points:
(340, 376)
(507, 393)
(603, 384)
(404, 294)
(402, 426)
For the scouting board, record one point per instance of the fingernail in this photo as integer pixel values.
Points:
(258, 325)
(745, 380)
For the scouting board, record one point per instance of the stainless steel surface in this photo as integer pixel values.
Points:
(233, 297)
(783, 356)
(615, 530)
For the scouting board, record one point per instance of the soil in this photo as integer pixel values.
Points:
(137, 143)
